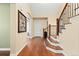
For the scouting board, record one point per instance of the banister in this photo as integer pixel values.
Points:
(61, 17)
(63, 10)
(58, 19)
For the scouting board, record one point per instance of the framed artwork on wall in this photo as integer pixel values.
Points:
(21, 22)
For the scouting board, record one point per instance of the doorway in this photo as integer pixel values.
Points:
(39, 24)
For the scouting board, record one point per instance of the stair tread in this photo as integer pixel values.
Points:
(54, 38)
(53, 41)
(52, 46)
(57, 53)
(58, 48)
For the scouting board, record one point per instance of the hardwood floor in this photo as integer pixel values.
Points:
(36, 47)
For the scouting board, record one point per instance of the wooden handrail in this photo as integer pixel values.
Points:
(63, 10)
(58, 19)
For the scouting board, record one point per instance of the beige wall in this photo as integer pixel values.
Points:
(18, 40)
(51, 20)
(69, 38)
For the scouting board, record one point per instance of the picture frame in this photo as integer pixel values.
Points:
(21, 22)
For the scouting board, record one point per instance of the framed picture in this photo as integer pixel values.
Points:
(21, 22)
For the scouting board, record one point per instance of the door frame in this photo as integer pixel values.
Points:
(41, 18)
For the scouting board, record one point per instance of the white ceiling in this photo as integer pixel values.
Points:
(45, 9)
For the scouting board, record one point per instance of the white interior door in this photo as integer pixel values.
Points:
(38, 27)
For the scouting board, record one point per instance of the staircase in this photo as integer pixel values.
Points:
(52, 43)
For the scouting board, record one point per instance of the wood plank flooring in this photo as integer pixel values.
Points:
(36, 47)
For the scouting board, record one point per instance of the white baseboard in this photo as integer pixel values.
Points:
(4, 49)
(21, 49)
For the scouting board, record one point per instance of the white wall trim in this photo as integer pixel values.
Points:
(21, 49)
(4, 49)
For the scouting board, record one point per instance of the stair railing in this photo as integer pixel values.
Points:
(46, 30)
(70, 10)
(51, 30)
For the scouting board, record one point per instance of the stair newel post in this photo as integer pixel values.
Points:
(49, 30)
(58, 26)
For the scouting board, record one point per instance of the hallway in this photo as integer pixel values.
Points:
(36, 47)
(32, 12)
(61, 23)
